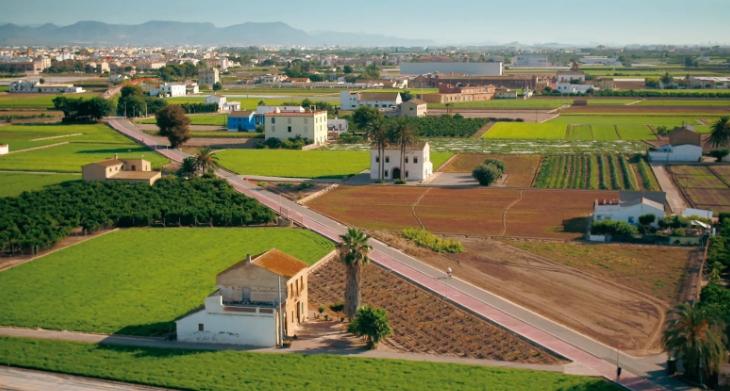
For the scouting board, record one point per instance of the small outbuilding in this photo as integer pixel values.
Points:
(242, 121)
(684, 145)
(127, 170)
(630, 206)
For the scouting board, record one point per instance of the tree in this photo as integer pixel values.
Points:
(372, 72)
(347, 69)
(372, 323)
(217, 86)
(666, 79)
(696, 338)
(353, 252)
(406, 96)
(82, 110)
(372, 123)
(719, 154)
(404, 135)
(205, 161)
(188, 168)
(647, 219)
(174, 125)
(720, 133)
(486, 174)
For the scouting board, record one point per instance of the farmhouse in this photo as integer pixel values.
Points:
(685, 145)
(417, 162)
(533, 82)
(170, 90)
(310, 125)
(26, 87)
(452, 94)
(242, 120)
(414, 108)
(223, 105)
(378, 100)
(630, 206)
(572, 82)
(4, 149)
(128, 170)
(258, 302)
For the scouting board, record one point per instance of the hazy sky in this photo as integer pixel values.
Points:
(455, 21)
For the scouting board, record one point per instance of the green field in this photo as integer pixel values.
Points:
(213, 119)
(533, 103)
(596, 171)
(27, 136)
(236, 370)
(14, 183)
(81, 144)
(685, 102)
(252, 103)
(595, 127)
(303, 164)
(137, 281)
(34, 101)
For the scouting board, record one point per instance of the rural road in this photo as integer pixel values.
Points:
(674, 196)
(17, 379)
(594, 357)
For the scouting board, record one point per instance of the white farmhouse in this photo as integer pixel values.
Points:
(379, 100)
(284, 125)
(685, 145)
(169, 90)
(418, 166)
(223, 105)
(4, 149)
(629, 207)
(573, 82)
(258, 302)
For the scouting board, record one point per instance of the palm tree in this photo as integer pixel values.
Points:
(206, 161)
(404, 135)
(696, 338)
(720, 135)
(353, 252)
(378, 135)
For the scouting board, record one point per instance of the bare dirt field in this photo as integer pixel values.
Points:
(422, 322)
(557, 214)
(519, 169)
(616, 314)
(635, 109)
(704, 186)
(516, 114)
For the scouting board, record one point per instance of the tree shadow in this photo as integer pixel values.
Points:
(576, 224)
(134, 149)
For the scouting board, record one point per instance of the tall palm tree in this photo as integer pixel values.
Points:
(206, 161)
(378, 135)
(720, 135)
(696, 338)
(353, 252)
(404, 135)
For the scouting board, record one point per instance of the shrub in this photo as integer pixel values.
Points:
(486, 174)
(337, 307)
(292, 143)
(617, 229)
(424, 238)
(719, 154)
(498, 163)
(372, 323)
(351, 138)
(647, 219)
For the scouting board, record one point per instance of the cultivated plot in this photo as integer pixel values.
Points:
(704, 186)
(519, 169)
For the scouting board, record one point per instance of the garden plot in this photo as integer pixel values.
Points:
(704, 186)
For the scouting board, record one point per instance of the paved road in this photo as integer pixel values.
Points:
(674, 197)
(16, 379)
(594, 357)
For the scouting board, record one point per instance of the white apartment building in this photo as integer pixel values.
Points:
(379, 100)
(208, 77)
(311, 125)
(417, 162)
(169, 90)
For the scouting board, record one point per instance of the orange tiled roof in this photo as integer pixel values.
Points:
(279, 262)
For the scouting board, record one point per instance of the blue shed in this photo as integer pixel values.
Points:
(242, 121)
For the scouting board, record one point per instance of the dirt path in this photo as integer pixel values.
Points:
(676, 201)
(415, 204)
(37, 148)
(482, 130)
(506, 210)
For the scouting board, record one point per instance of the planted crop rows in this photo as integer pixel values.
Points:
(596, 172)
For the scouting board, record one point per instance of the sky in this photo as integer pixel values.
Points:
(613, 22)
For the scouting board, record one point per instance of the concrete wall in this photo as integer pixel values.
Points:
(467, 68)
(676, 153)
(228, 327)
(260, 284)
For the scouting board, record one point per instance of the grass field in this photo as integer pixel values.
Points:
(303, 164)
(79, 145)
(533, 103)
(222, 370)
(654, 270)
(137, 281)
(684, 102)
(596, 171)
(33, 101)
(595, 127)
(213, 119)
(15, 183)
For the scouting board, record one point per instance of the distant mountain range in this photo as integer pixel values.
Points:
(167, 33)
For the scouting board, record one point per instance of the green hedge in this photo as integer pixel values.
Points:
(424, 238)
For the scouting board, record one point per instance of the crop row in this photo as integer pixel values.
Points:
(595, 171)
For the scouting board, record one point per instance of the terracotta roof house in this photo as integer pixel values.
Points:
(129, 170)
(259, 301)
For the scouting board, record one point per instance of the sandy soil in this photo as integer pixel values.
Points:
(519, 169)
(614, 314)
(422, 322)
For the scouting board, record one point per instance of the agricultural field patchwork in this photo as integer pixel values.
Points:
(34, 101)
(28, 136)
(596, 172)
(140, 280)
(595, 127)
(211, 119)
(704, 186)
(519, 169)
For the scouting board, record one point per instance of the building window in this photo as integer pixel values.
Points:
(377, 159)
(387, 159)
(201, 327)
(288, 128)
(406, 159)
(273, 120)
(415, 159)
(406, 174)
(385, 173)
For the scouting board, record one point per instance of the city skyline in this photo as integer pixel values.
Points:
(528, 22)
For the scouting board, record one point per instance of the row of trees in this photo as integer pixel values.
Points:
(37, 220)
(82, 109)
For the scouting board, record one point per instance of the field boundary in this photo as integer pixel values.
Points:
(55, 137)
(39, 147)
